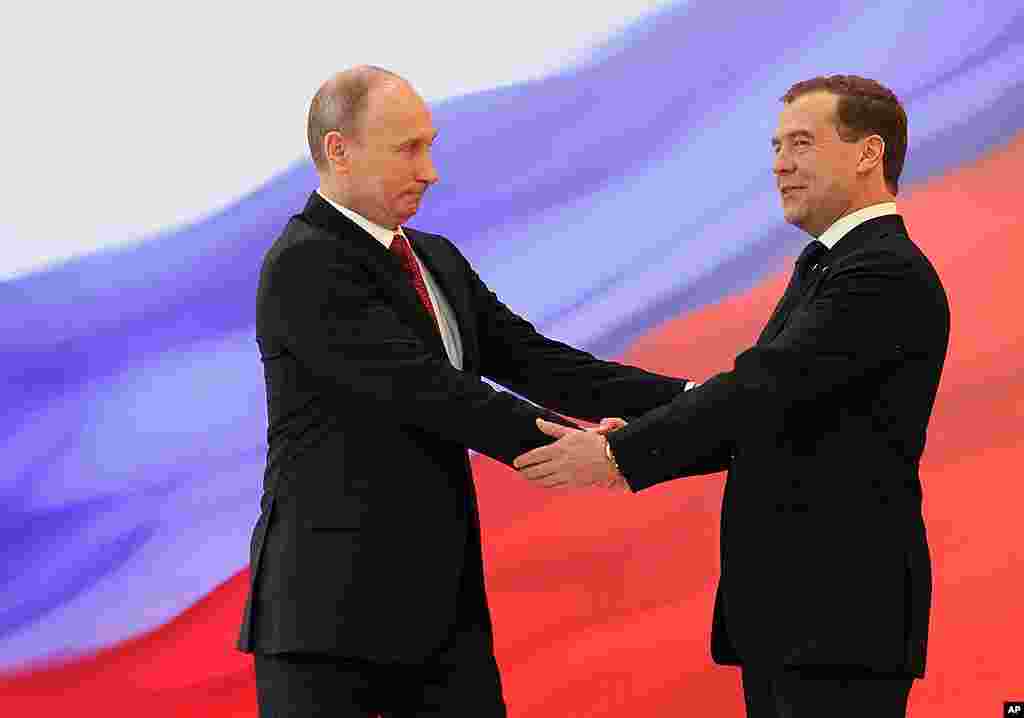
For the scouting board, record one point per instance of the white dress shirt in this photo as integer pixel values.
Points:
(445, 316)
(842, 226)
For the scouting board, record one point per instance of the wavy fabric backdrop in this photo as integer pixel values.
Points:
(622, 199)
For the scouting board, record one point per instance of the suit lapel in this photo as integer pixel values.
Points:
(774, 325)
(851, 242)
(445, 268)
(791, 301)
(376, 257)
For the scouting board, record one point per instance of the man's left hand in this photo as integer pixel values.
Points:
(576, 459)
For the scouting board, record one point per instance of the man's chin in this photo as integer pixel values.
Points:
(409, 212)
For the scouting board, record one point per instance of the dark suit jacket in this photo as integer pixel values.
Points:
(369, 518)
(821, 425)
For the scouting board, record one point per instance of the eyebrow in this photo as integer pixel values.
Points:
(415, 139)
(776, 140)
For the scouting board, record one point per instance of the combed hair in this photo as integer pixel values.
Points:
(339, 105)
(865, 107)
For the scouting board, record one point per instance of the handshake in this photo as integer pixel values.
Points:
(578, 458)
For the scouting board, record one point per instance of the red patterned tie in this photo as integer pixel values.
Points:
(400, 246)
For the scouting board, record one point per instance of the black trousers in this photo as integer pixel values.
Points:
(460, 679)
(833, 691)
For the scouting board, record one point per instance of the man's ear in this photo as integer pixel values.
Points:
(871, 154)
(336, 150)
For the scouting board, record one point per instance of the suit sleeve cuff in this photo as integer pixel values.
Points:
(640, 456)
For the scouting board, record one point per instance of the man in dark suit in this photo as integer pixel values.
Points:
(367, 593)
(825, 583)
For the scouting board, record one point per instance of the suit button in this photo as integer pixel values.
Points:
(655, 452)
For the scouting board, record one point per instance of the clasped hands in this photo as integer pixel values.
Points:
(577, 459)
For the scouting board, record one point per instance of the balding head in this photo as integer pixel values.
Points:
(339, 105)
(370, 134)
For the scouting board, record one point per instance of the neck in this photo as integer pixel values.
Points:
(337, 196)
(328, 190)
(867, 199)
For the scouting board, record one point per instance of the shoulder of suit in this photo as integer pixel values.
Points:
(892, 253)
(304, 241)
(426, 236)
(432, 240)
(882, 240)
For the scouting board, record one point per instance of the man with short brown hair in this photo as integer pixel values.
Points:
(825, 583)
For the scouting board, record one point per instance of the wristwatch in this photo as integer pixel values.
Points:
(620, 479)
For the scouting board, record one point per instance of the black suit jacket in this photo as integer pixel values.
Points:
(824, 559)
(369, 518)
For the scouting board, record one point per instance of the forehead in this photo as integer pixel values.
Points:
(395, 111)
(807, 113)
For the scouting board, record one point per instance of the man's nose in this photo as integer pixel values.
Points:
(428, 173)
(783, 163)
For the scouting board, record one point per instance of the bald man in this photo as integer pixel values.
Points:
(367, 594)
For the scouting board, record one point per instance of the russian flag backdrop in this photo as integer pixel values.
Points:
(611, 180)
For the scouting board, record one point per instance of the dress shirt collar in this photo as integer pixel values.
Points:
(381, 234)
(843, 225)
